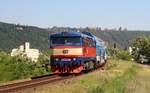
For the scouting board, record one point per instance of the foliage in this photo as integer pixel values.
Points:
(119, 53)
(113, 51)
(12, 35)
(141, 48)
(17, 67)
(124, 55)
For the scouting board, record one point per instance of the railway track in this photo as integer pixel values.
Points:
(39, 81)
(32, 83)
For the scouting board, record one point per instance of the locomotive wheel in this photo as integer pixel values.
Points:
(91, 65)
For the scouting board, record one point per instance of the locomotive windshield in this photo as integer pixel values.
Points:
(68, 41)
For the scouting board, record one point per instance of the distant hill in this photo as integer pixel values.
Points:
(123, 39)
(13, 35)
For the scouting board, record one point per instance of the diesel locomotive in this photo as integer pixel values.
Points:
(74, 52)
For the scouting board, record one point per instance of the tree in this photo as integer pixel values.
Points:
(141, 49)
(120, 29)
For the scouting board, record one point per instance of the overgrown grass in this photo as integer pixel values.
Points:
(141, 82)
(118, 77)
(117, 84)
(109, 80)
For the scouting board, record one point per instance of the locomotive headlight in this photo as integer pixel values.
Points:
(56, 59)
(74, 59)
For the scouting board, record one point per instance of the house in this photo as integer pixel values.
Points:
(26, 51)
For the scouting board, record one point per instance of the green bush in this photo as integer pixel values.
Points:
(113, 51)
(17, 67)
(124, 55)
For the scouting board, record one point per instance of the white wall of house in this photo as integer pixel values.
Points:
(130, 50)
(25, 50)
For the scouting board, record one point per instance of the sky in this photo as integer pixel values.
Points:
(130, 14)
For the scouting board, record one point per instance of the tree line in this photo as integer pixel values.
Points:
(13, 35)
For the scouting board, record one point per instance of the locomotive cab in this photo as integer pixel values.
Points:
(72, 52)
(66, 52)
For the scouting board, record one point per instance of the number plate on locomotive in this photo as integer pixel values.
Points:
(66, 59)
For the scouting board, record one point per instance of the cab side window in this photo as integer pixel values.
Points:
(88, 42)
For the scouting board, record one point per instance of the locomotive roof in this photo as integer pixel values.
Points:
(60, 34)
(70, 34)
